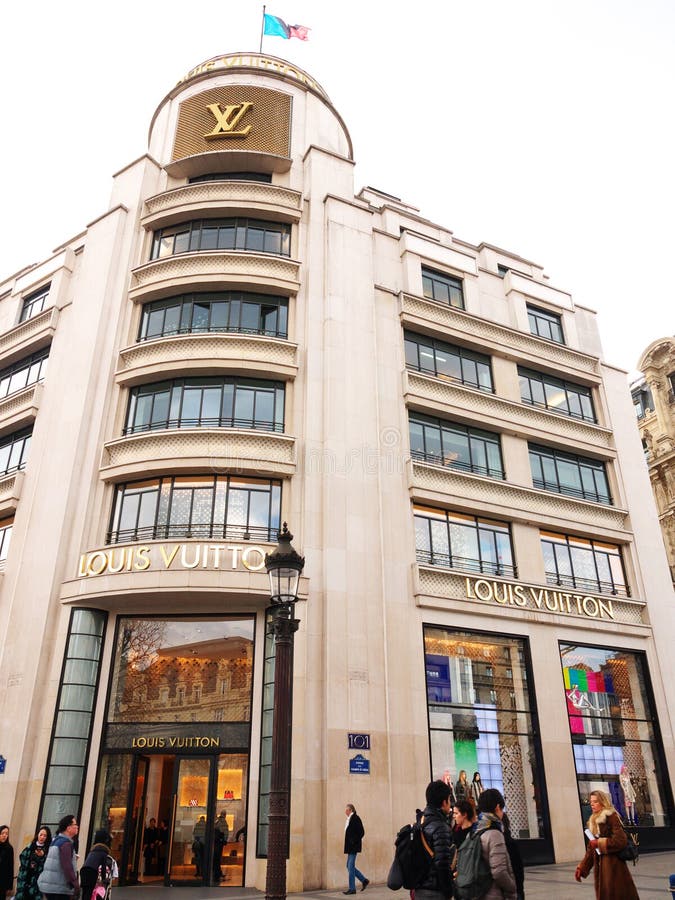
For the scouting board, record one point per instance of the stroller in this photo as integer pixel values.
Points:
(97, 873)
(106, 872)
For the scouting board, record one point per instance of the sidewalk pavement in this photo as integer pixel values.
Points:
(555, 882)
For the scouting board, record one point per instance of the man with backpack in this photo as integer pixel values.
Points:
(437, 883)
(483, 865)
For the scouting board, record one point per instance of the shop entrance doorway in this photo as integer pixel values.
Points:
(176, 819)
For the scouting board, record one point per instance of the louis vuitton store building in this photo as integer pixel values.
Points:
(242, 339)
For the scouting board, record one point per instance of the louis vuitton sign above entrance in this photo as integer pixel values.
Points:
(189, 555)
(234, 117)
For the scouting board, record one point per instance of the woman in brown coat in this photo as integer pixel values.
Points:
(612, 878)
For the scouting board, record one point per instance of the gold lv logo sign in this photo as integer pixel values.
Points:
(227, 120)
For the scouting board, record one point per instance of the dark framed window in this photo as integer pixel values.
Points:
(264, 177)
(615, 733)
(14, 451)
(196, 506)
(583, 563)
(6, 526)
(253, 235)
(25, 372)
(226, 311)
(460, 541)
(71, 735)
(425, 354)
(642, 401)
(458, 446)
(565, 473)
(556, 395)
(483, 718)
(545, 324)
(443, 288)
(34, 303)
(207, 403)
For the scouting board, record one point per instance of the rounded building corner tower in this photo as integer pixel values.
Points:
(242, 341)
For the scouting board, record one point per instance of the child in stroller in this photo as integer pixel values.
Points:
(99, 869)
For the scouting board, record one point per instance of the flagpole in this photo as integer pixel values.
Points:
(262, 27)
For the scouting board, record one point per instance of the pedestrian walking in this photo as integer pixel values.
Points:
(31, 864)
(6, 862)
(354, 833)
(611, 875)
(59, 880)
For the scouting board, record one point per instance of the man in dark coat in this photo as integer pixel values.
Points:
(353, 837)
(435, 825)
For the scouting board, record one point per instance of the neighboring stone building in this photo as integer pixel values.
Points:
(654, 399)
(241, 339)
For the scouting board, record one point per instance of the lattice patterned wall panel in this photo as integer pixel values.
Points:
(489, 334)
(33, 329)
(244, 192)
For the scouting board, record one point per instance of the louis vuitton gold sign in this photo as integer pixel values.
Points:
(535, 598)
(140, 558)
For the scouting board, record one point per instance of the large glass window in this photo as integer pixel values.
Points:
(64, 779)
(482, 719)
(614, 732)
(583, 563)
(223, 311)
(443, 288)
(565, 473)
(253, 235)
(455, 445)
(266, 738)
(23, 373)
(425, 354)
(207, 403)
(14, 451)
(182, 670)
(196, 506)
(6, 526)
(545, 324)
(459, 541)
(34, 303)
(539, 389)
(642, 401)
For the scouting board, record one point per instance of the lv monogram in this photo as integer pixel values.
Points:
(227, 120)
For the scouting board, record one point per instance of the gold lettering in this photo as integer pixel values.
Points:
(227, 120)
(482, 589)
(143, 554)
(216, 555)
(469, 591)
(183, 557)
(104, 563)
(606, 608)
(112, 568)
(82, 571)
(168, 559)
(590, 607)
(520, 598)
(235, 551)
(245, 559)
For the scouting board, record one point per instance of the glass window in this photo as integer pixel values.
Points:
(577, 476)
(34, 303)
(14, 451)
(450, 444)
(265, 177)
(481, 719)
(23, 373)
(224, 234)
(582, 563)
(207, 403)
(613, 731)
(464, 542)
(224, 311)
(443, 288)
(66, 766)
(564, 397)
(214, 506)
(215, 655)
(425, 354)
(545, 324)
(6, 526)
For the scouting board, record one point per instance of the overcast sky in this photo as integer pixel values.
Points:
(546, 128)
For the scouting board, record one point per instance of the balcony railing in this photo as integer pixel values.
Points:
(194, 530)
(204, 422)
(216, 329)
(465, 564)
(591, 585)
(450, 461)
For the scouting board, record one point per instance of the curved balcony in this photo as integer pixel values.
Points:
(29, 336)
(198, 450)
(220, 198)
(431, 395)
(214, 270)
(435, 484)
(20, 408)
(207, 353)
(10, 491)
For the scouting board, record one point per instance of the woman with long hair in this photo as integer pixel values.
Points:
(612, 878)
(6, 862)
(31, 864)
(462, 786)
(476, 787)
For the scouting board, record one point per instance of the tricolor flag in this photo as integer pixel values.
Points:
(278, 28)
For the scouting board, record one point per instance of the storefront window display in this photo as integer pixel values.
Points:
(614, 735)
(482, 719)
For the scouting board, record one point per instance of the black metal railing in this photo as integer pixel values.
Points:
(466, 564)
(577, 493)
(450, 461)
(194, 530)
(587, 584)
(206, 422)
(215, 329)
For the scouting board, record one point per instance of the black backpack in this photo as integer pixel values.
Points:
(631, 852)
(473, 873)
(412, 858)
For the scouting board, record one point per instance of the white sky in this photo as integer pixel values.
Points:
(546, 128)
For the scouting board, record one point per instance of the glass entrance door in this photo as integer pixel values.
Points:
(229, 838)
(135, 844)
(192, 825)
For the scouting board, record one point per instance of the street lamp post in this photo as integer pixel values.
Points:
(284, 567)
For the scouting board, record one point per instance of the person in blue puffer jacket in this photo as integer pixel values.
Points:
(436, 826)
(58, 880)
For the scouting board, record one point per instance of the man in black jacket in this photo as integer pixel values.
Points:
(438, 883)
(353, 836)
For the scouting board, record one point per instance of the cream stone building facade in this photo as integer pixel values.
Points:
(241, 340)
(654, 400)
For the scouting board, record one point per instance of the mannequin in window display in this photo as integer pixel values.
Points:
(476, 788)
(462, 786)
(628, 794)
(447, 778)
